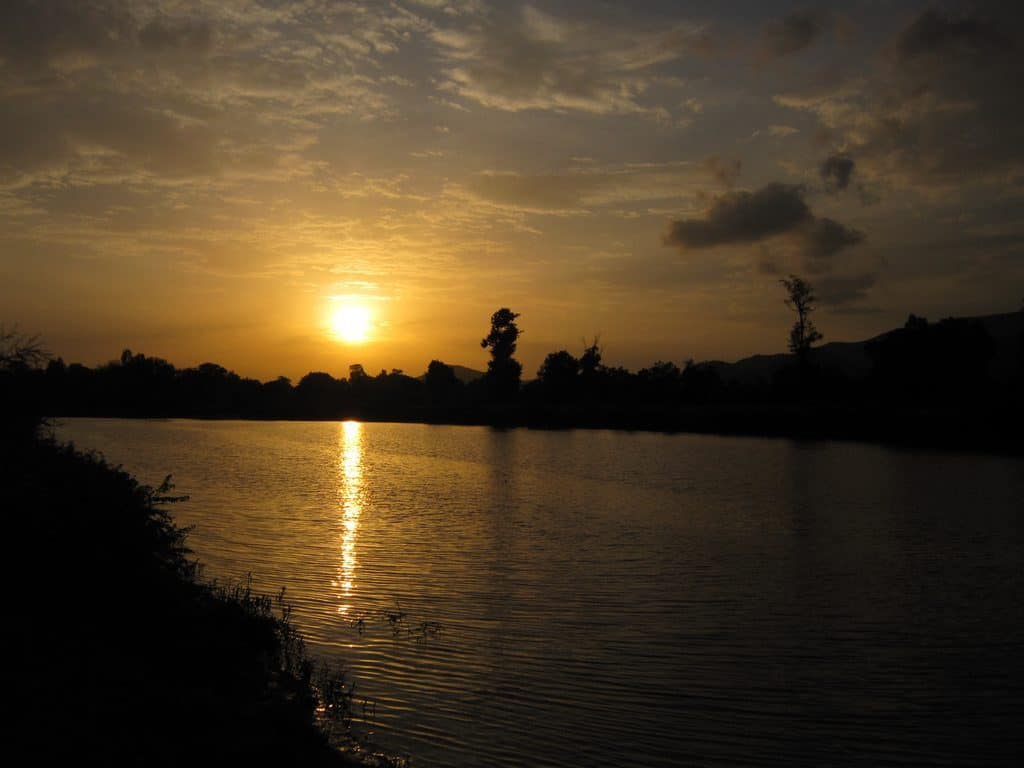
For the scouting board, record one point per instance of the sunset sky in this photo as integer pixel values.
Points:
(216, 180)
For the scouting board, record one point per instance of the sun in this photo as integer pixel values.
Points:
(351, 323)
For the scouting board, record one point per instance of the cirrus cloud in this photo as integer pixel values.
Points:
(528, 59)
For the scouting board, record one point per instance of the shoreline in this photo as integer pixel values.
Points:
(157, 664)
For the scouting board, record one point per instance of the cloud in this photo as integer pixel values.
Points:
(793, 33)
(837, 170)
(743, 217)
(775, 210)
(35, 34)
(532, 60)
(162, 33)
(581, 188)
(95, 91)
(823, 237)
(841, 291)
(940, 110)
(933, 32)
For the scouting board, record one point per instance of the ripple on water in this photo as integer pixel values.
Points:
(629, 599)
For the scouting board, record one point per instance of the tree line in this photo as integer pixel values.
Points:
(935, 365)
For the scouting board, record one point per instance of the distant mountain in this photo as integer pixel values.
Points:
(850, 358)
(462, 373)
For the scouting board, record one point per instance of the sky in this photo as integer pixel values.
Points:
(218, 180)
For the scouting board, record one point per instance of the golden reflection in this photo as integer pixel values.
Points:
(350, 491)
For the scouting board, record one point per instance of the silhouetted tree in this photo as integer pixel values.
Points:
(660, 382)
(503, 370)
(442, 384)
(944, 362)
(276, 397)
(800, 299)
(320, 395)
(18, 351)
(700, 383)
(558, 375)
(21, 380)
(590, 360)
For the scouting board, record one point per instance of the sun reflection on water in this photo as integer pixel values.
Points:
(350, 491)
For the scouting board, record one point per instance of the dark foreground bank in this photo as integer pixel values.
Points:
(120, 655)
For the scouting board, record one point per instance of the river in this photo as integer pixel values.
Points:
(510, 597)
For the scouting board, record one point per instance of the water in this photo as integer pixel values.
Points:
(608, 598)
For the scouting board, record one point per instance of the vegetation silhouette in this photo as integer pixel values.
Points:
(954, 383)
(800, 298)
(123, 655)
(503, 371)
(443, 386)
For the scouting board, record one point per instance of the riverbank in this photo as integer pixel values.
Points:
(121, 655)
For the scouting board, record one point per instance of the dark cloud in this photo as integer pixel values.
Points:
(840, 291)
(793, 33)
(776, 210)
(837, 170)
(933, 32)
(952, 112)
(34, 33)
(37, 34)
(824, 237)
(943, 110)
(743, 217)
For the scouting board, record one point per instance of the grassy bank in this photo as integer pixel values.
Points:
(120, 654)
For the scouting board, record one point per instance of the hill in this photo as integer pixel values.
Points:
(462, 373)
(850, 358)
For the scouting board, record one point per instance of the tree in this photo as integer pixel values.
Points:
(442, 383)
(660, 382)
(558, 375)
(590, 360)
(503, 371)
(20, 352)
(801, 300)
(21, 358)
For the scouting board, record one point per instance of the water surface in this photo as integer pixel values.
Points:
(611, 598)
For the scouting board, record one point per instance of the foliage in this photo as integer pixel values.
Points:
(123, 651)
(590, 360)
(932, 362)
(442, 384)
(559, 374)
(19, 352)
(21, 403)
(800, 298)
(503, 371)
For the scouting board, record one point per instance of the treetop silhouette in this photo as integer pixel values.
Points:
(800, 298)
(503, 370)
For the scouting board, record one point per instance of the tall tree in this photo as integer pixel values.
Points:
(800, 299)
(503, 371)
